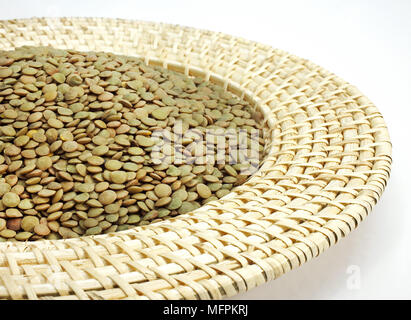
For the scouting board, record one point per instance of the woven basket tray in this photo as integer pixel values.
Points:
(329, 158)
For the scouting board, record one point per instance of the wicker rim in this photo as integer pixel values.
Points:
(329, 158)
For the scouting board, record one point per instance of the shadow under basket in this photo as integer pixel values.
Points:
(328, 158)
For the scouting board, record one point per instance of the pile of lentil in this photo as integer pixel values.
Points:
(76, 142)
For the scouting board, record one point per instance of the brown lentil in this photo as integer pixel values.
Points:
(77, 143)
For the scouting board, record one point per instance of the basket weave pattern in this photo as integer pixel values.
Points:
(328, 161)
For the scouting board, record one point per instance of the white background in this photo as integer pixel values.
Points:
(368, 44)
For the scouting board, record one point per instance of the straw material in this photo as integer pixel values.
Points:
(329, 158)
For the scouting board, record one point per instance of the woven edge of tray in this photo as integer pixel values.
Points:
(328, 163)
